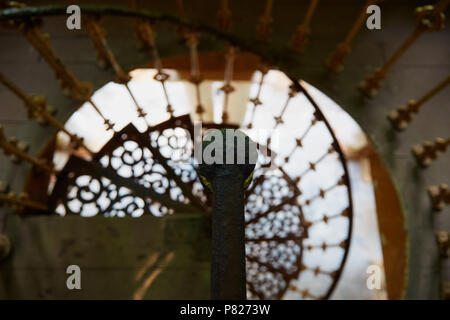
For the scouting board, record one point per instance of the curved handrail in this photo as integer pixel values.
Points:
(272, 55)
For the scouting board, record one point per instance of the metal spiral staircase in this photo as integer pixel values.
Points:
(153, 171)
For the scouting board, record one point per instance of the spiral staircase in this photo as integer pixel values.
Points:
(146, 166)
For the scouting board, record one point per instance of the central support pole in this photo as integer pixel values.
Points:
(228, 279)
(226, 173)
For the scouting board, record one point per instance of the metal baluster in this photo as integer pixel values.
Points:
(107, 58)
(41, 42)
(443, 240)
(38, 109)
(139, 29)
(401, 117)
(12, 147)
(301, 37)
(68, 82)
(263, 69)
(190, 38)
(439, 196)
(147, 34)
(195, 79)
(264, 29)
(428, 19)
(335, 62)
(224, 15)
(20, 201)
(428, 151)
(293, 90)
(227, 88)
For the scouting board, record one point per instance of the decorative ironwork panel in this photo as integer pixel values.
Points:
(130, 155)
(174, 141)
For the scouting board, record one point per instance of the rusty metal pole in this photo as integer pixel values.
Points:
(227, 182)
